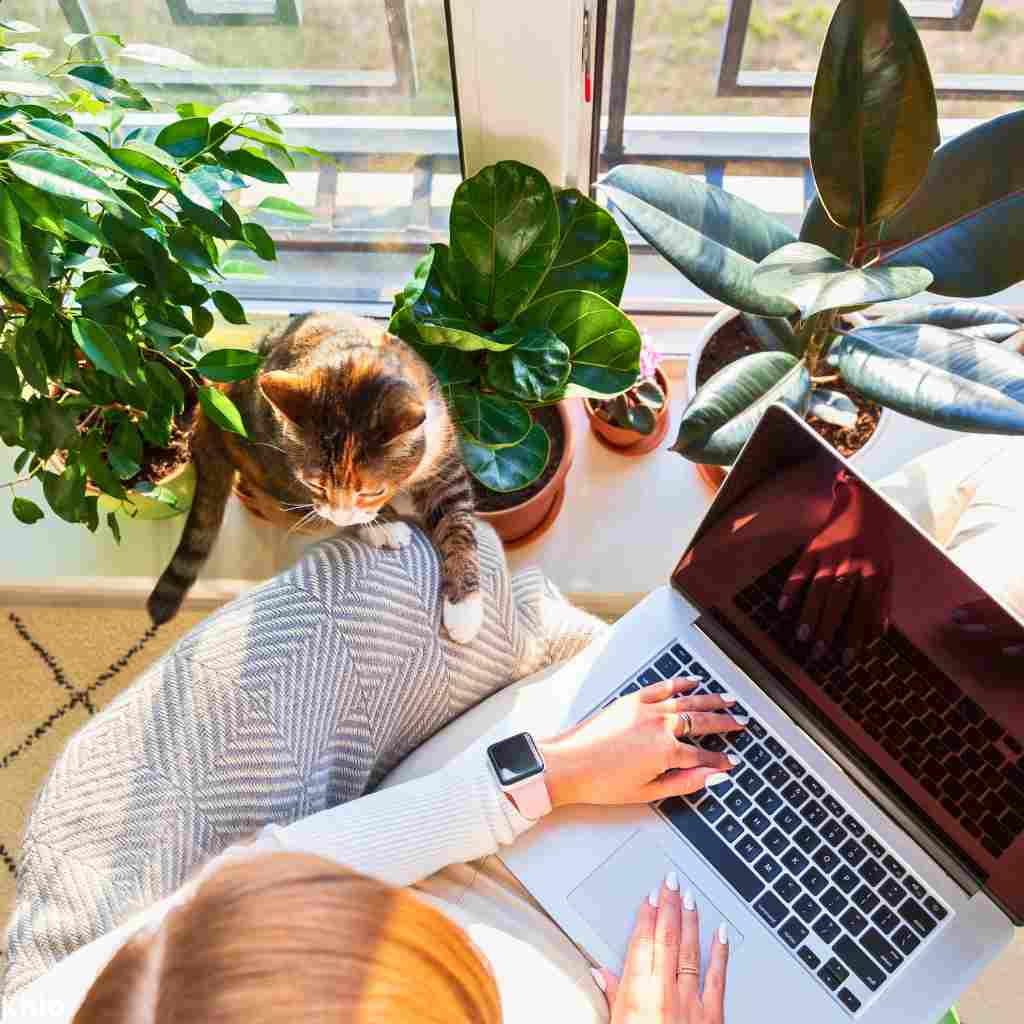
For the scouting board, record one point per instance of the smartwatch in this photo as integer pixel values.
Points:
(520, 770)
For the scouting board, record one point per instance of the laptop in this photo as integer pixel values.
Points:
(868, 853)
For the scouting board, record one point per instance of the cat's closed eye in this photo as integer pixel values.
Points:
(378, 493)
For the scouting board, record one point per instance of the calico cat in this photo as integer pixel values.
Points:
(343, 421)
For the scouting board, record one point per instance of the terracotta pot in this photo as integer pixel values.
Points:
(525, 522)
(631, 442)
(712, 475)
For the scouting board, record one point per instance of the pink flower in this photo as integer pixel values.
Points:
(649, 359)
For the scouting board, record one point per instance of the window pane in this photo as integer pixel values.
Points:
(661, 102)
(366, 81)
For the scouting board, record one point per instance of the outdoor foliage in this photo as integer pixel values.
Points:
(521, 310)
(113, 248)
(894, 216)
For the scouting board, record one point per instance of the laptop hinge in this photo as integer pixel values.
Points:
(967, 875)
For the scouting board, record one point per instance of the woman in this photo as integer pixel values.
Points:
(284, 927)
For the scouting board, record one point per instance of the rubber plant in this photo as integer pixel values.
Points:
(893, 216)
(113, 246)
(519, 311)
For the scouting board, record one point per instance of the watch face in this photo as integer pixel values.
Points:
(515, 759)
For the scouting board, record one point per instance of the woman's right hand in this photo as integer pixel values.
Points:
(660, 982)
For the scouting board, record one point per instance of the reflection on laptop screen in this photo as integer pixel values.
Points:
(907, 676)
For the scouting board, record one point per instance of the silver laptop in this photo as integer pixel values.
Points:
(868, 854)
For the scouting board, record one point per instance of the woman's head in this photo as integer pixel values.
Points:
(291, 937)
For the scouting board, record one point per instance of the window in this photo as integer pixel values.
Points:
(721, 91)
(367, 81)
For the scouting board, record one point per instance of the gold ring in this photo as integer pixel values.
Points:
(688, 969)
(687, 720)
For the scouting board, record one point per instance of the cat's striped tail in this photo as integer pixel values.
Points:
(214, 477)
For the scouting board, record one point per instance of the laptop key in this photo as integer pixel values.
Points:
(757, 756)
(713, 742)
(865, 899)
(777, 775)
(667, 666)
(894, 867)
(852, 852)
(875, 848)
(749, 849)
(884, 920)
(740, 740)
(905, 940)
(846, 878)
(787, 887)
(793, 766)
(814, 814)
(738, 803)
(681, 653)
(729, 827)
(834, 901)
(794, 860)
(807, 839)
(809, 957)
(775, 841)
(835, 808)
(881, 949)
(749, 781)
(853, 921)
(826, 859)
(826, 929)
(914, 914)
(795, 794)
(834, 833)
(768, 868)
(775, 747)
(756, 822)
(806, 909)
(833, 974)
(814, 787)
(692, 828)
(632, 688)
(853, 826)
(814, 880)
(721, 788)
(787, 819)
(648, 677)
(849, 1000)
(916, 888)
(754, 726)
(859, 962)
(771, 908)
(872, 872)
(768, 800)
(934, 907)
(793, 932)
(712, 809)
(696, 669)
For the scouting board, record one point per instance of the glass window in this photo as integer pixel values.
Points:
(366, 81)
(722, 90)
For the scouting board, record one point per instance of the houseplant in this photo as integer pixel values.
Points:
(635, 422)
(112, 246)
(517, 315)
(893, 217)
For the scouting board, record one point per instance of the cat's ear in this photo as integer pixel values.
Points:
(287, 393)
(400, 411)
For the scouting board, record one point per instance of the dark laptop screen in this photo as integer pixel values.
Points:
(918, 669)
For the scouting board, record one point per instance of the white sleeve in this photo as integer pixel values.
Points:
(398, 835)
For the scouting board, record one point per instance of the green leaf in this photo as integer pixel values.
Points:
(102, 290)
(490, 419)
(125, 452)
(604, 346)
(80, 225)
(245, 161)
(833, 407)
(15, 266)
(66, 492)
(819, 229)
(257, 238)
(186, 138)
(285, 209)
(104, 86)
(725, 411)
(10, 382)
(202, 321)
(241, 268)
(222, 410)
(948, 379)
(462, 334)
(16, 27)
(712, 238)
(971, 318)
(115, 529)
(166, 386)
(189, 248)
(203, 189)
(156, 426)
(450, 365)
(96, 466)
(504, 237)
(36, 208)
(535, 370)
(774, 334)
(228, 364)
(814, 280)
(229, 307)
(592, 254)
(60, 176)
(58, 135)
(159, 55)
(429, 295)
(103, 352)
(75, 38)
(142, 167)
(642, 419)
(25, 511)
(30, 358)
(874, 118)
(511, 468)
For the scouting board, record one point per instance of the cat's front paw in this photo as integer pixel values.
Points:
(392, 536)
(464, 619)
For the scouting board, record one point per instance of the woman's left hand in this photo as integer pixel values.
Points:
(633, 752)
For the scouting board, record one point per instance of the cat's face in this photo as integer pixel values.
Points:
(353, 438)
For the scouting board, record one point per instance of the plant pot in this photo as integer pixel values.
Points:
(525, 522)
(631, 442)
(714, 475)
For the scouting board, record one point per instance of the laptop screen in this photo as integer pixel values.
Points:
(875, 630)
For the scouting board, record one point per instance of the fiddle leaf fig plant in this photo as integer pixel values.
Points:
(893, 217)
(520, 310)
(114, 245)
(637, 409)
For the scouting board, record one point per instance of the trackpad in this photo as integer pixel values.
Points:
(608, 899)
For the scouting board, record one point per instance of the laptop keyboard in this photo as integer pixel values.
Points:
(844, 906)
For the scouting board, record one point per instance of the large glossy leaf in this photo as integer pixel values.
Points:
(971, 318)
(814, 280)
(592, 254)
(92, 338)
(724, 412)
(711, 237)
(818, 228)
(431, 293)
(935, 375)
(142, 167)
(535, 370)
(61, 136)
(60, 176)
(16, 268)
(221, 410)
(229, 364)
(774, 334)
(186, 138)
(511, 468)
(604, 345)
(504, 233)
(490, 419)
(450, 365)
(874, 119)
(463, 334)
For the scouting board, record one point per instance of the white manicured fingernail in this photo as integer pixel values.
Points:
(654, 897)
(729, 698)
(599, 979)
(714, 780)
(741, 719)
(734, 759)
(689, 903)
(672, 881)
(723, 934)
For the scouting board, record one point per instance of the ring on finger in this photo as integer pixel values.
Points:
(688, 969)
(686, 720)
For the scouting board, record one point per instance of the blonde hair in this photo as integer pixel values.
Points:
(290, 937)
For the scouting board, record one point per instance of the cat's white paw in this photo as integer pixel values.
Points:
(463, 620)
(386, 535)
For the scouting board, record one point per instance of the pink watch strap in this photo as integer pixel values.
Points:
(532, 798)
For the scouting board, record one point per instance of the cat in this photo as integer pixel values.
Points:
(343, 420)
